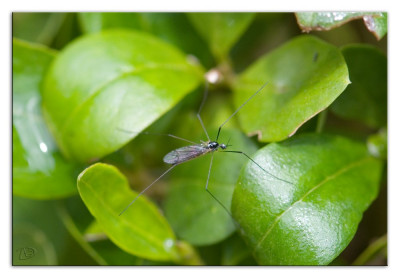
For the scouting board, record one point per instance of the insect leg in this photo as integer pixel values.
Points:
(212, 195)
(240, 152)
(141, 193)
(160, 134)
(201, 107)
(240, 107)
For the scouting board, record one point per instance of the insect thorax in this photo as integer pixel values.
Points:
(212, 145)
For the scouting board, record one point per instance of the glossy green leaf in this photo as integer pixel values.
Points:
(221, 30)
(141, 230)
(310, 219)
(365, 99)
(195, 216)
(169, 27)
(304, 76)
(39, 171)
(112, 81)
(376, 22)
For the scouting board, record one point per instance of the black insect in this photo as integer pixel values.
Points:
(195, 150)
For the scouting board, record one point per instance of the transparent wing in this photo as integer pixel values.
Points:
(185, 154)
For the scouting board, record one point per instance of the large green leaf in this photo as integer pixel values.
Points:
(39, 171)
(312, 217)
(195, 216)
(167, 26)
(109, 81)
(304, 76)
(141, 230)
(376, 22)
(365, 99)
(221, 30)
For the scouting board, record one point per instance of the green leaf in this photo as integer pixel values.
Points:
(194, 215)
(221, 30)
(166, 26)
(106, 82)
(115, 256)
(304, 76)
(39, 171)
(376, 22)
(141, 230)
(365, 99)
(310, 219)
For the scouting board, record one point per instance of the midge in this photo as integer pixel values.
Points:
(195, 150)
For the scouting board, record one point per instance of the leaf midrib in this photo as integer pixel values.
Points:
(122, 75)
(328, 178)
(145, 234)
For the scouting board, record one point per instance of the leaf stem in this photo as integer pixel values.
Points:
(371, 250)
(321, 120)
(73, 230)
(188, 254)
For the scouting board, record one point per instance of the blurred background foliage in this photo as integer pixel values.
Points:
(61, 231)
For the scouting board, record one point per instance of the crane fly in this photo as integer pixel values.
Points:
(187, 153)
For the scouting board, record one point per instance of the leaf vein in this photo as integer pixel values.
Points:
(144, 234)
(328, 178)
(123, 74)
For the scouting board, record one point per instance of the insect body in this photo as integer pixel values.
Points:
(191, 152)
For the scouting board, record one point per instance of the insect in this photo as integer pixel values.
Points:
(195, 150)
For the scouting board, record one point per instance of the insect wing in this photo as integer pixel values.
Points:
(185, 154)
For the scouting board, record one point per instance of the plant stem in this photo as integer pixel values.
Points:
(321, 120)
(73, 230)
(371, 250)
(188, 255)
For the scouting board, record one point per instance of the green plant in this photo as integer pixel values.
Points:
(320, 124)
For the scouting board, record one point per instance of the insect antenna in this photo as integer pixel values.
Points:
(240, 107)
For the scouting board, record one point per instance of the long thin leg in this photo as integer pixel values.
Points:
(215, 198)
(257, 165)
(219, 202)
(162, 134)
(201, 107)
(141, 193)
(240, 107)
